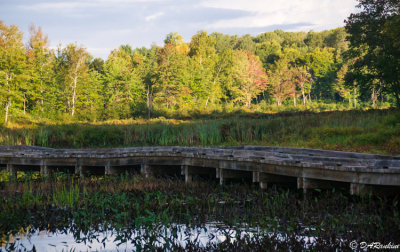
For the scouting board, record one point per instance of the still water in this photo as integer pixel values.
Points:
(112, 240)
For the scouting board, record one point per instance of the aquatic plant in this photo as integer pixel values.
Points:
(123, 205)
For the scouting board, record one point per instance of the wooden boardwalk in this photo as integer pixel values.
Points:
(305, 168)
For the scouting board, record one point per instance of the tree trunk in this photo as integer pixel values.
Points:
(354, 97)
(303, 94)
(75, 82)
(148, 102)
(24, 103)
(294, 100)
(278, 101)
(74, 94)
(8, 105)
(373, 97)
(397, 95)
(398, 101)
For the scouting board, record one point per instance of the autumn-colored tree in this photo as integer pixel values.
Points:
(302, 79)
(176, 40)
(280, 79)
(250, 78)
(210, 72)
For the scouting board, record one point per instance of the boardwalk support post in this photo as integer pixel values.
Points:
(11, 169)
(44, 170)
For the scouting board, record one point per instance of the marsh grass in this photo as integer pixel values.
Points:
(364, 131)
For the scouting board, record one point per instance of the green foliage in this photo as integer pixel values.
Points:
(365, 131)
(373, 37)
(67, 197)
(123, 90)
(212, 72)
(13, 72)
(135, 209)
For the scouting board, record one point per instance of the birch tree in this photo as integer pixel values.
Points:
(75, 73)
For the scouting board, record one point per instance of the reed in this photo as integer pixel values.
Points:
(364, 131)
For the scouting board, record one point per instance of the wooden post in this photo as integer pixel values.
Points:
(145, 169)
(44, 170)
(12, 170)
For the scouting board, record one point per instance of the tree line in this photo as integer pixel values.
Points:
(211, 72)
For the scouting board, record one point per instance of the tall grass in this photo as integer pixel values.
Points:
(67, 196)
(366, 131)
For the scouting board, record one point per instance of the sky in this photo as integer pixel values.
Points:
(103, 25)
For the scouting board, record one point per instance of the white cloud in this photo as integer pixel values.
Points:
(320, 14)
(154, 16)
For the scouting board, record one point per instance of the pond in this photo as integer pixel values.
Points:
(124, 213)
(159, 236)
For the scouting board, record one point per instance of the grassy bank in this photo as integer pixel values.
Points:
(375, 131)
(125, 204)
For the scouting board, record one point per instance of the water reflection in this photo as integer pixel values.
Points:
(158, 236)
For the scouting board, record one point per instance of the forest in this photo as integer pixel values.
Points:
(272, 71)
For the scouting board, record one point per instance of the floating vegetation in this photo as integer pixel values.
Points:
(166, 214)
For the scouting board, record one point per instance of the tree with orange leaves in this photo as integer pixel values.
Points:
(250, 78)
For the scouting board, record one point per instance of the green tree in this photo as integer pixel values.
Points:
(97, 65)
(170, 78)
(203, 71)
(40, 60)
(246, 43)
(321, 65)
(72, 75)
(346, 88)
(145, 61)
(268, 52)
(123, 88)
(336, 39)
(223, 42)
(373, 36)
(12, 68)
